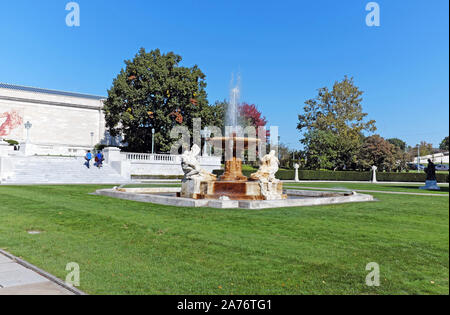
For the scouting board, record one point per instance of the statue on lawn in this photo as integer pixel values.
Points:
(431, 170)
(431, 182)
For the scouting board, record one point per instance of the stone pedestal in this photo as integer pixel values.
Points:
(296, 167)
(27, 149)
(431, 185)
(233, 171)
(374, 174)
(190, 188)
(111, 154)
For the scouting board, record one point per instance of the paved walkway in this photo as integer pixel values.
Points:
(371, 191)
(360, 182)
(21, 278)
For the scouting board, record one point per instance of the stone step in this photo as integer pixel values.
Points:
(61, 170)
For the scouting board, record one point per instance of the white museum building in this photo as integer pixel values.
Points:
(59, 123)
(54, 130)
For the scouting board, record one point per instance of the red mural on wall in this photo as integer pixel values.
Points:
(9, 121)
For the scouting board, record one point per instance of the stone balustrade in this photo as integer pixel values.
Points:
(151, 158)
(147, 164)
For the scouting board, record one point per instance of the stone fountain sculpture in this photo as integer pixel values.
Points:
(233, 185)
(191, 166)
(194, 175)
(271, 187)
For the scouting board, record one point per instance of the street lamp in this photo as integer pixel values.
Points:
(153, 140)
(278, 147)
(92, 139)
(206, 133)
(418, 158)
(28, 126)
(293, 151)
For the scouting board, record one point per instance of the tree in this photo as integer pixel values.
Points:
(400, 144)
(444, 146)
(251, 116)
(424, 149)
(320, 149)
(337, 117)
(154, 91)
(379, 152)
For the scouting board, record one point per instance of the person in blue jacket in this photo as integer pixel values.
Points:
(88, 159)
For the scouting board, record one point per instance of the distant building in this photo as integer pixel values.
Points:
(62, 123)
(438, 158)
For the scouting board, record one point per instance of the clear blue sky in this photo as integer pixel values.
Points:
(284, 50)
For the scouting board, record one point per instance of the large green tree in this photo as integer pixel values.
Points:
(444, 144)
(320, 149)
(154, 91)
(336, 116)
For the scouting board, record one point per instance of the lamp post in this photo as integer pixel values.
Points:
(278, 147)
(92, 138)
(206, 133)
(153, 140)
(418, 158)
(28, 126)
(293, 151)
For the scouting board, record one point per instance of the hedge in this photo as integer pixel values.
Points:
(351, 176)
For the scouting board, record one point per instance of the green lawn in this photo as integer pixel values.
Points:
(126, 247)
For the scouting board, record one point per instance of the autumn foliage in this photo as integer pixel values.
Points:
(251, 116)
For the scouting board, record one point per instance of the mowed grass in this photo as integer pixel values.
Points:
(126, 247)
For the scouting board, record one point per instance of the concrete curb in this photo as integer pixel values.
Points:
(42, 273)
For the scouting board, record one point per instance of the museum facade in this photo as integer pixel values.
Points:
(52, 122)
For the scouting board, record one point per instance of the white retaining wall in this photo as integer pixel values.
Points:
(154, 164)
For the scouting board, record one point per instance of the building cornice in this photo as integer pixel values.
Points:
(23, 88)
(34, 101)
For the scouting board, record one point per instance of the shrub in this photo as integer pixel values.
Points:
(11, 142)
(100, 147)
(351, 176)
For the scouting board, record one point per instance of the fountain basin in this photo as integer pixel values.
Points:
(296, 198)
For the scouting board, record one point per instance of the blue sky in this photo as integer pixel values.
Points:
(284, 50)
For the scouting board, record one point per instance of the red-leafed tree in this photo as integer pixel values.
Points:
(251, 116)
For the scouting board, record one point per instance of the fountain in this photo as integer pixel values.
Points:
(232, 185)
(261, 190)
